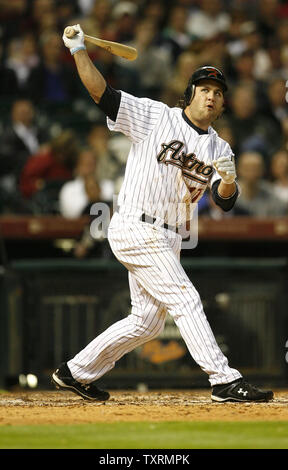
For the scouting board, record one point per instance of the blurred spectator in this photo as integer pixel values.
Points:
(52, 81)
(276, 51)
(65, 11)
(22, 137)
(152, 66)
(214, 51)
(46, 171)
(224, 130)
(22, 57)
(124, 18)
(85, 6)
(251, 41)
(275, 56)
(279, 175)
(238, 16)
(156, 11)
(252, 130)
(244, 74)
(268, 16)
(9, 8)
(76, 196)
(257, 195)
(247, 39)
(8, 80)
(244, 67)
(43, 16)
(175, 38)
(284, 134)
(187, 62)
(284, 61)
(110, 165)
(282, 31)
(12, 14)
(277, 104)
(98, 21)
(47, 23)
(208, 21)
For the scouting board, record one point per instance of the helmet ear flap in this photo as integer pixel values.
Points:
(189, 94)
(193, 88)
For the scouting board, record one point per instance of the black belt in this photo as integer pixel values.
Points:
(151, 220)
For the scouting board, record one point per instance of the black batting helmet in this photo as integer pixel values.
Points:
(206, 72)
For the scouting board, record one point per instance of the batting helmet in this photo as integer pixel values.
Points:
(207, 72)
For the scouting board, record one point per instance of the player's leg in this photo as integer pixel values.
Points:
(159, 271)
(145, 322)
(153, 258)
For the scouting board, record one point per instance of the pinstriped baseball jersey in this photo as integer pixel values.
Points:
(170, 163)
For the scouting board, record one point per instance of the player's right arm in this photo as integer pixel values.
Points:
(134, 117)
(90, 76)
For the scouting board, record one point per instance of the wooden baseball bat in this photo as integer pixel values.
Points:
(115, 48)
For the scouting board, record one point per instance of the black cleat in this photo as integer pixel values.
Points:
(239, 391)
(63, 380)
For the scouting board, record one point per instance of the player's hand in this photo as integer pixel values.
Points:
(77, 40)
(226, 169)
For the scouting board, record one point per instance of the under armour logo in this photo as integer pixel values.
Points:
(244, 392)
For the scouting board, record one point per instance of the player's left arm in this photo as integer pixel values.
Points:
(225, 190)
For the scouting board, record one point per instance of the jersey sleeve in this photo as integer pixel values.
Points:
(136, 117)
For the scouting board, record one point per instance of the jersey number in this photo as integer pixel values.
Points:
(195, 194)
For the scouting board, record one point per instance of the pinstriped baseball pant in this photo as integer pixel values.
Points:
(158, 285)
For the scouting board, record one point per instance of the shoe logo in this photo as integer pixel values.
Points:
(244, 392)
(85, 386)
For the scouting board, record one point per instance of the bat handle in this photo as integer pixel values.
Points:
(70, 32)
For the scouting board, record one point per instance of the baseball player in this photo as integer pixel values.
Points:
(175, 154)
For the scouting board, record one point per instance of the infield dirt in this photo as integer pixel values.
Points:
(49, 407)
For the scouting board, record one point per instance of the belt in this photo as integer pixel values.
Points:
(151, 220)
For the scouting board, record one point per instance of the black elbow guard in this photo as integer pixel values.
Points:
(226, 204)
(110, 102)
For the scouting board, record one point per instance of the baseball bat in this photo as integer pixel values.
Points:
(126, 52)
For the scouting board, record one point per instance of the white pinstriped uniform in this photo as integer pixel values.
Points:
(168, 165)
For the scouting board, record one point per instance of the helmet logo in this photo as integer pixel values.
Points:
(212, 73)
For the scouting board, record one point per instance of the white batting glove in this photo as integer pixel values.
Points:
(226, 169)
(77, 42)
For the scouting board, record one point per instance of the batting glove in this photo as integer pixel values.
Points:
(226, 169)
(77, 42)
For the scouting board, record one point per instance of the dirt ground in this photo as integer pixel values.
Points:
(58, 407)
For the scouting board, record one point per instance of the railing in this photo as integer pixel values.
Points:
(236, 228)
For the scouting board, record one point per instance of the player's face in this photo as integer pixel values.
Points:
(207, 103)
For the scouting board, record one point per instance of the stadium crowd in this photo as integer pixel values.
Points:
(55, 148)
